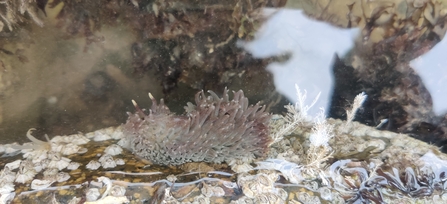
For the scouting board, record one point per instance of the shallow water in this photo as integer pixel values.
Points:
(82, 69)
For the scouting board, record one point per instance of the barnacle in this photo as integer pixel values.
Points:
(93, 165)
(120, 162)
(107, 161)
(62, 176)
(73, 165)
(214, 130)
(58, 161)
(26, 172)
(113, 150)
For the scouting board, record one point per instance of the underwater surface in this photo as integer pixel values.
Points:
(242, 101)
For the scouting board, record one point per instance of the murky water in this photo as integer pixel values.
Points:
(73, 68)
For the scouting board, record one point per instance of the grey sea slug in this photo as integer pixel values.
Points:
(214, 130)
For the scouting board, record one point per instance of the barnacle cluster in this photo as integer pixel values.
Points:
(214, 130)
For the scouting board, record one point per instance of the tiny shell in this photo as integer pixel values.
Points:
(92, 194)
(38, 184)
(62, 176)
(113, 150)
(73, 166)
(93, 165)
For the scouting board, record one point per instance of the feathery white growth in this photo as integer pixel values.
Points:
(322, 131)
(296, 114)
(300, 104)
(358, 102)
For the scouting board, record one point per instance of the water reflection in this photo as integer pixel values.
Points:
(313, 45)
(432, 67)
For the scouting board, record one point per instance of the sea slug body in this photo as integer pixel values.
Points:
(214, 130)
